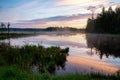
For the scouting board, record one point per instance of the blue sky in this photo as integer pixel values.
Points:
(45, 13)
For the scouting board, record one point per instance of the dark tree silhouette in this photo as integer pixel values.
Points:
(103, 10)
(2, 27)
(8, 28)
(106, 22)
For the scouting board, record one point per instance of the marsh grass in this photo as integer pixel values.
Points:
(13, 35)
(28, 56)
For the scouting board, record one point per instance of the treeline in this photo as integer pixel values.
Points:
(43, 29)
(63, 29)
(108, 21)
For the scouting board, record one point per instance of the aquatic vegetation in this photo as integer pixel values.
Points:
(13, 35)
(28, 56)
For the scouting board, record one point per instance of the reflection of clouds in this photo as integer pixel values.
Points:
(56, 43)
(67, 43)
(73, 41)
(98, 66)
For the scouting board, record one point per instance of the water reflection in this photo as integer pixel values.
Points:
(104, 45)
(80, 45)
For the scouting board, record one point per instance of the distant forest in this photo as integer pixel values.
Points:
(6, 27)
(63, 29)
(108, 21)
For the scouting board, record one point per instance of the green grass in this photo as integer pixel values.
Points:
(13, 35)
(16, 73)
(115, 35)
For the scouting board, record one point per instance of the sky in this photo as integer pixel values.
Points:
(46, 13)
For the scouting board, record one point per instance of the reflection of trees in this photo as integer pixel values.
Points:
(104, 44)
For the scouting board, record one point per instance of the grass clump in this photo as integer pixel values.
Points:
(12, 73)
(28, 56)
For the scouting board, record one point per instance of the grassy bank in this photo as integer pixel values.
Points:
(16, 73)
(13, 35)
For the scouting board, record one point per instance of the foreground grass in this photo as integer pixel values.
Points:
(13, 35)
(16, 73)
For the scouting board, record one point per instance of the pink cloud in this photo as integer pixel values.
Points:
(57, 19)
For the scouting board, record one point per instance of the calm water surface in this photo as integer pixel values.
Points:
(88, 52)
